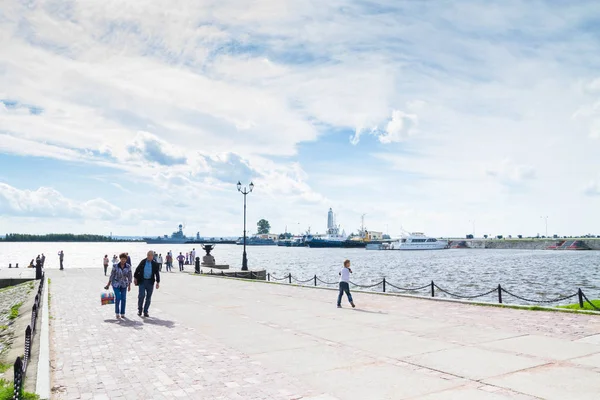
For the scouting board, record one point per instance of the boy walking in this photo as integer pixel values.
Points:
(345, 284)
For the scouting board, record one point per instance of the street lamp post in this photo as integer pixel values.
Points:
(245, 191)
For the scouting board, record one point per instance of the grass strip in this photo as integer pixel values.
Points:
(586, 306)
(14, 311)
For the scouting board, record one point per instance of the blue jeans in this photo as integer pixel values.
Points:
(146, 289)
(120, 299)
(344, 287)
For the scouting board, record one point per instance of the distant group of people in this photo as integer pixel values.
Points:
(146, 276)
(38, 260)
(182, 260)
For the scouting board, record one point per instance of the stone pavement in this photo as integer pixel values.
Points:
(215, 338)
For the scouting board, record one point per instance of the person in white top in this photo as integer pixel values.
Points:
(160, 262)
(345, 284)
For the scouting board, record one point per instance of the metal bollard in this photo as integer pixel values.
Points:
(17, 265)
(580, 295)
(384, 284)
(269, 277)
(9, 265)
(290, 277)
(499, 294)
(315, 280)
(197, 265)
(432, 289)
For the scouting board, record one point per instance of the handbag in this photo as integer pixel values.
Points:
(107, 297)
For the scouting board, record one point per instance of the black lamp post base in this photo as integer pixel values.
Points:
(244, 262)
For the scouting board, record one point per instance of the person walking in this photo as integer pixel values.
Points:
(181, 259)
(115, 260)
(193, 260)
(105, 263)
(43, 259)
(120, 277)
(160, 262)
(61, 257)
(146, 274)
(345, 284)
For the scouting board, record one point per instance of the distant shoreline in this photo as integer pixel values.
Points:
(63, 237)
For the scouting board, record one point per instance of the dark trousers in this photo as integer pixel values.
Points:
(146, 289)
(61, 265)
(344, 287)
(105, 269)
(181, 265)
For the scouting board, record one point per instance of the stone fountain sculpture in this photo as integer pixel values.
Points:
(208, 261)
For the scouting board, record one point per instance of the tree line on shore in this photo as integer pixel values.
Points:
(58, 237)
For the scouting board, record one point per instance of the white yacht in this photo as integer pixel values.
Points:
(413, 241)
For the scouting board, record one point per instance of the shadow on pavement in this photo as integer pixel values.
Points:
(370, 312)
(159, 322)
(127, 323)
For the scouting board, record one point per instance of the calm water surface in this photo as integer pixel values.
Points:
(533, 274)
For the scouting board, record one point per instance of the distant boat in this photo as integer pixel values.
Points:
(413, 241)
(296, 241)
(176, 238)
(257, 241)
(569, 245)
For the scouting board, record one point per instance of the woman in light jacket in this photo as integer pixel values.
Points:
(121, 279)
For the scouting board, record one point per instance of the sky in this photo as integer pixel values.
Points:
(441, 117)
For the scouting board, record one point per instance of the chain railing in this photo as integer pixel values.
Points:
(432, 287)
(20, 366)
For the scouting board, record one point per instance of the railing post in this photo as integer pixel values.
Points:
(499, 294)
(290, 277)
(211, 271)
(315, 279)
(18, 378)
(269, 277)
(384, 284)
(222, 273)
(432, 289)
(580, 295)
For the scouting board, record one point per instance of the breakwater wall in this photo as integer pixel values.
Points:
(521, 244)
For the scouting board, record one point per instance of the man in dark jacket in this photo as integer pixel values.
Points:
(146, 273)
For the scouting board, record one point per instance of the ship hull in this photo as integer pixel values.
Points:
(342, 244)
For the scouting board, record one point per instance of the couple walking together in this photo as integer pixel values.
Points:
(145, 276)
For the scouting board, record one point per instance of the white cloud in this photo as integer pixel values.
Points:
(508, 172)
(592, 188)
(218, 91)
(400, 127)
(46, 202)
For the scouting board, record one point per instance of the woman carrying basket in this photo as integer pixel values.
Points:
(121, 278)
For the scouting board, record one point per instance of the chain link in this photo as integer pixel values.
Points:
(465, 297)
(326, 283)
(539, 301)
(366, 286)
(589, 302)
(407, 289)
(306, 281)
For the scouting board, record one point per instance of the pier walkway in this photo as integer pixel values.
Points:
(216, 338)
